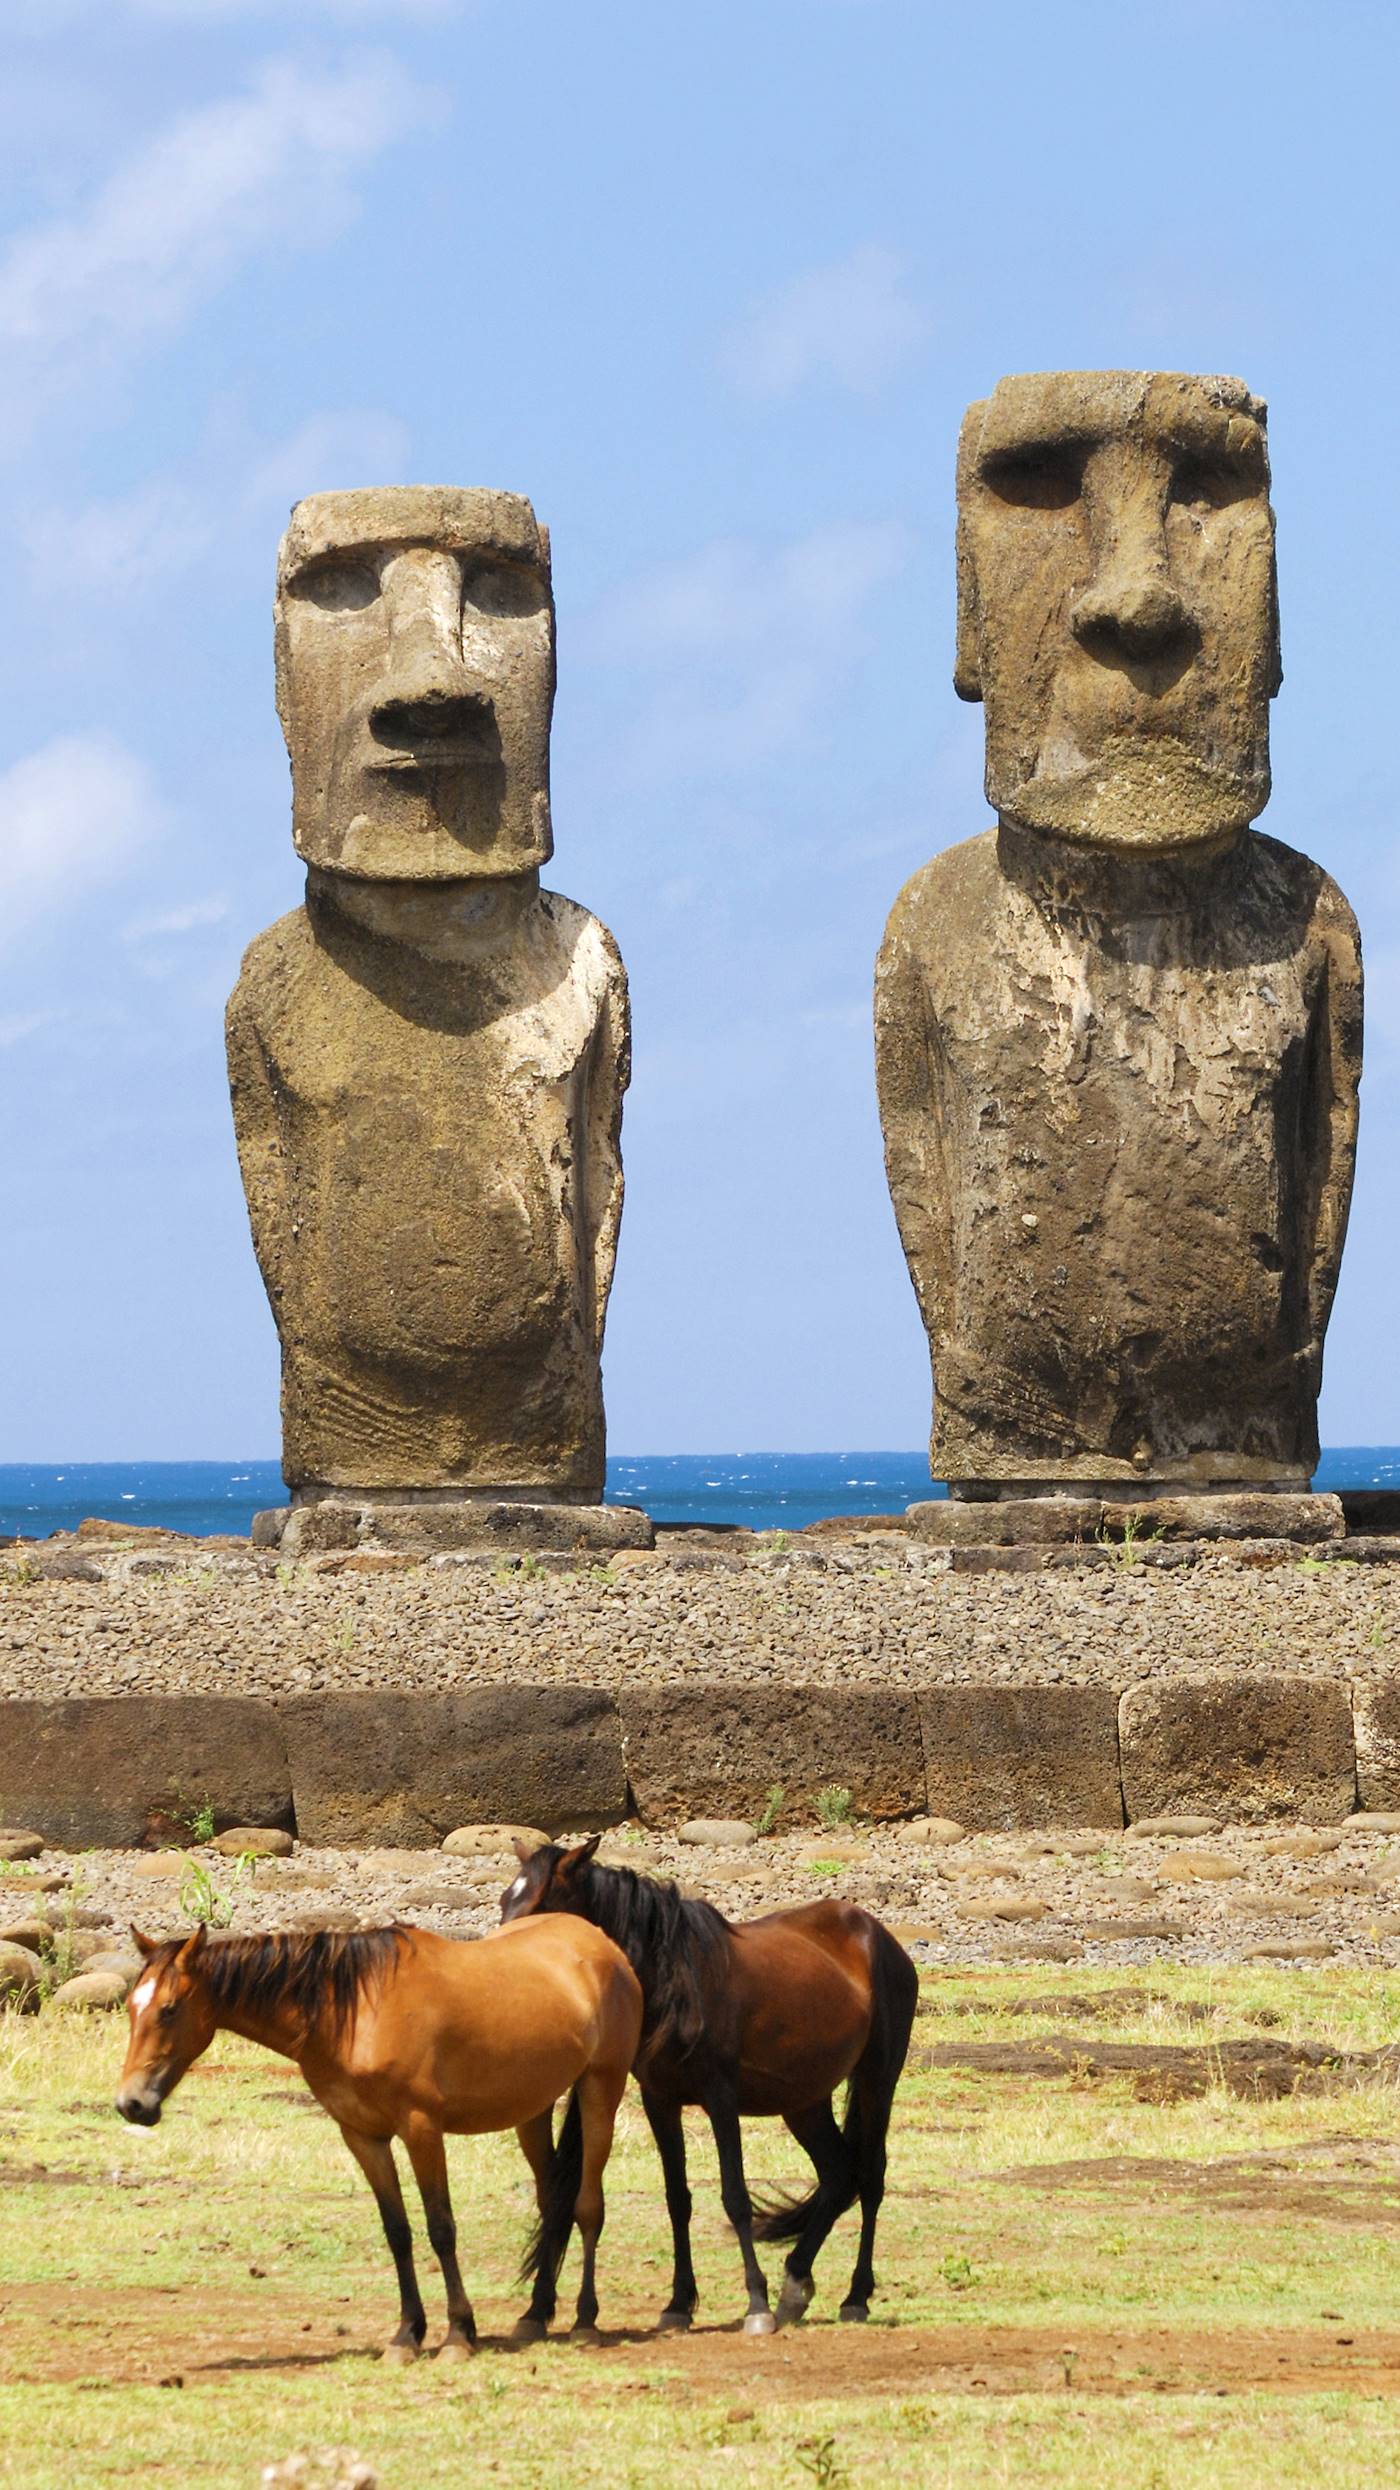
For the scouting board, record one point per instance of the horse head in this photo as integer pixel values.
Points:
(549, 1879)
(172, 2021)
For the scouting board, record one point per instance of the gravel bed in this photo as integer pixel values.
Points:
(1210, 1899)
(221, 1622)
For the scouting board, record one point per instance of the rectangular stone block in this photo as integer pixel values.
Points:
(1242, 1748)
(396, 1771)
(1252, 1515)
(1001, 1756)
(112, 1771)
(1375, 1706)
(1006, 1522)
(717, 1748)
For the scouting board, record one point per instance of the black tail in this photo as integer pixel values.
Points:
(550, 2236)
(894, 1998)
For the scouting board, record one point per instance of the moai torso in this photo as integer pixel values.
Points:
(1118, 1066)
(428, 1070)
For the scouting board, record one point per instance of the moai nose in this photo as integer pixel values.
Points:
(1136, 606)
(428, 694)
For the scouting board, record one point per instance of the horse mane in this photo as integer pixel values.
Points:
(319, 1972)
(673, 1944)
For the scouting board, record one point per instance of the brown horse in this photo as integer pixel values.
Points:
(402, 2033)
(761, 2019)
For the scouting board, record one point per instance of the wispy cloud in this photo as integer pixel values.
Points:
(267, 168)
(329, 453)
(16, 1026)
(853, 322)
(74, 816)
(171, 924)
(745, 647)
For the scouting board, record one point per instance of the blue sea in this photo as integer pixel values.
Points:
(768, 1491)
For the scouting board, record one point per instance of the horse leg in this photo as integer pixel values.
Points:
(375, 2157)
(599, 2092)
(821, 2139)
(874, 2096)
(428, 2155)
(536, 2140)
(722, 2111)
(666, 2127)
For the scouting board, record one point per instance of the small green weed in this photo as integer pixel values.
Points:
(1127, 1551)
(198, 1821)
(286, 1575)
(777, 1542)
(203, 1898)
(773, 1799)
(835, 1806)
(823, 1867)
(603, 1575)
(345, 1635)
(958, 2271)
(818, 2457)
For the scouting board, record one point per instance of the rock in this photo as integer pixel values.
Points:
(1368, 1821)
(1173, 1828)
(91, 1990)
(717, 1747)
(254, 1841)
(845, 1854)
(1387, 1924)
(973, 1870)
(116, 1769)
(1132, 1931)
(1043, 1949)
(1302, 1845)
(1011, 1521)
(337, 1919)
(1290, 1950)
(1067, 1846)
(427, 1090)
(32, 1933)
(1004, 1906)
(1278, 1905)
(1248, 1747)
(1376, 1711)
(1128, 1889)
(717, 1832)
(125, 1965)
(934, 1830)
(160, 1865)
(319, 2468)
(1106, 943)
(918, 1931)
(20, 1973)
(1002, 1756)
(437, 1898)
(407, 1768)
(470, 1841)
(15, 1845)
(1306, 1519)
(1203, 1867)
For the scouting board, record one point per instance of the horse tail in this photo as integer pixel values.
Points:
(550, 2236)
(894, 1997)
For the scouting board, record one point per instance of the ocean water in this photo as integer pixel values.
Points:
(768, 1491)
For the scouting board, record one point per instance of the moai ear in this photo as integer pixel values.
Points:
(145, 1946)
(967, 663)
(574, 1861)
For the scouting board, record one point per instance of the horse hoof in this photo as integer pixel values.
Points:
(399, 2355)
(587, 2337)
(760, 2321)
(456, 2348)
(529, 2330)
(854, 2313)
(794, 2301)
(673, 2321)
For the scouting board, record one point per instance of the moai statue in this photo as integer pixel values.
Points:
(428, 1059)
(1119, 1035)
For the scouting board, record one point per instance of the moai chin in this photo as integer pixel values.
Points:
(428, 1059)
(1119, 1035)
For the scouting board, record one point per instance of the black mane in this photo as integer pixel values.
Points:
(674, 1945)
(318, 1972)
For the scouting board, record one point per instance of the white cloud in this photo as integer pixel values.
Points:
(16, 1026)
(852, 322)
(73, 817)
(329, 453)
(174, 922)
(749, 648)
(266, 168)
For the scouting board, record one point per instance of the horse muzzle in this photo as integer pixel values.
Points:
(140, 2109)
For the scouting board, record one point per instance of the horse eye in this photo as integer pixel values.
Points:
(168, 2013)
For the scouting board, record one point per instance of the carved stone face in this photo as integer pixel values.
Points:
(1116, 604)
(415, 681)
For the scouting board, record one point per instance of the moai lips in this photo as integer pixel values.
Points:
(428, 1059)
(1119, 1035)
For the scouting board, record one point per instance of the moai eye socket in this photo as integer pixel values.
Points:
(1044, 475)
(1202, 482)
(504, 589)
(338, 586)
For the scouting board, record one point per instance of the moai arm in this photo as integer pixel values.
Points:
(259, 1146)
(609, 1071)
(906, 1078)
(1336, 1075)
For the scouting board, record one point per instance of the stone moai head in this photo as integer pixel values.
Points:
(1117, 607)
(415, 682)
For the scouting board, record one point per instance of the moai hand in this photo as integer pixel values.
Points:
(1119, 1036)
(428, 1060)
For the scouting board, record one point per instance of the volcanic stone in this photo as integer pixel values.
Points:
(1036, 1755)
(118, 1770)
(718, 1747)
(1249, 1747)
(406, 1768)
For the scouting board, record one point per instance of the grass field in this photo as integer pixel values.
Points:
(1078, 2284)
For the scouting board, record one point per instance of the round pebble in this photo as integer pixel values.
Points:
(470, 1841)
(92, 1991)
(717, 1833)
(17, 1845)
(20, 1971)
(254, 1841)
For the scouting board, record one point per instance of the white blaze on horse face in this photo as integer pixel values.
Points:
(142, 1995)
(515, 1891)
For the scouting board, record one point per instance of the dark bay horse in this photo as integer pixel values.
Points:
(763, 2018)
(400, 2033)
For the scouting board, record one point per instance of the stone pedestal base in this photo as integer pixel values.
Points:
(502, 1527)
(1060, 1521)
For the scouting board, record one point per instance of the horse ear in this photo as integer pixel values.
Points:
(576, 1859)
(524, 1850)
(193, 1945)
(145, 1946)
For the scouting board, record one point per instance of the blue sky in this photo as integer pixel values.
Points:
(712, 283)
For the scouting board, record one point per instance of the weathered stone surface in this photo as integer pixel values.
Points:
(487, 1841)
(20, 1973)
(1119, 1034)
(91, 1991)
(1371, 1509)
(254, 1841)
(936, 1831)
(1376, 1713)
(113, 1770)
(389, 1533)
(717, 1833)
(718, 1748)
(1033, 1755)
(1006, 1521)
(1173, 1828)
(1022, 1560)
(406, 1769)
(15, 1844)
(1249, 1748)
(428, 1060)
(1224, 1516)
(1369, 1819)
